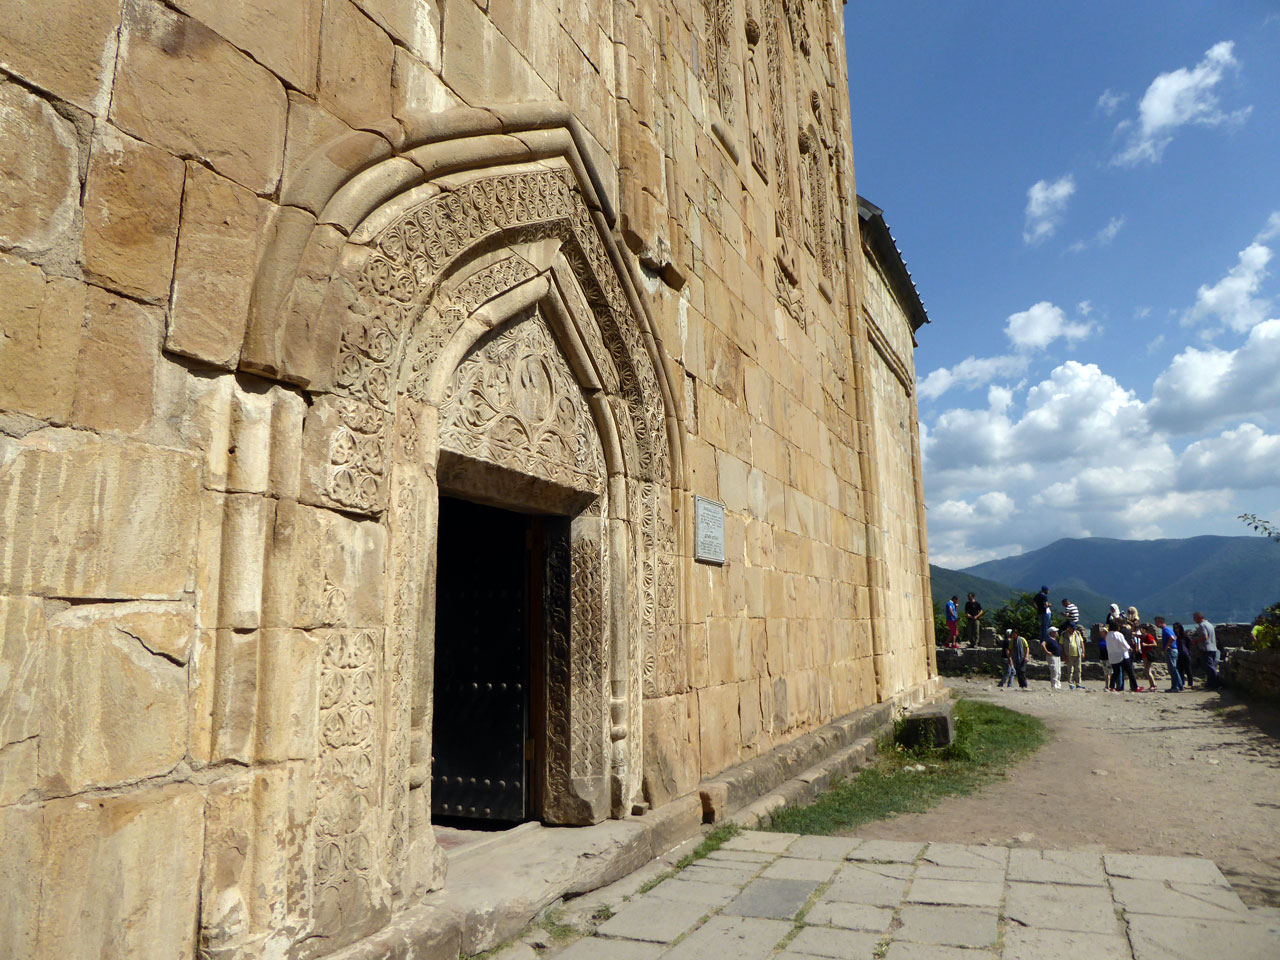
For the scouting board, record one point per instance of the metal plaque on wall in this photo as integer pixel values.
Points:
(708, 530)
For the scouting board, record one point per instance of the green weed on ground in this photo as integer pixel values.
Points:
(989, 739)
(713, 841)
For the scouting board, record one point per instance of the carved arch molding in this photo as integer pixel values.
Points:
(458, 316)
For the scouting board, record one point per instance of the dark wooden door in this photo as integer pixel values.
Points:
(480, 729)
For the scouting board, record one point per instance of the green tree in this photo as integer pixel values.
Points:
(1020, 614)
(1264, 527)
(1267, 634)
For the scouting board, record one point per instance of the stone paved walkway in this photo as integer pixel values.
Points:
(779, 895)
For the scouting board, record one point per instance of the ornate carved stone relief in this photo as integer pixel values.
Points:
(350, 769)
(357, 467)
(785, 216)
(513, 402)
(587, 657)
(427, 339)
(718, 31)
(798, 21)
(756, 124)
(408, 543)
(817, 205)
(790, 296)
(402, 275)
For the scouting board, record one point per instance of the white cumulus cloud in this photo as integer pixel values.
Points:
(970, 373)
(1108, 233)
(1109, 102)
(1234, 301)
(1077, 453)
(1270, 229)
(1041, 324)
(1244, 458)
(1201, 388)
(1175, 99)
(1046, 206)
(1102, 238)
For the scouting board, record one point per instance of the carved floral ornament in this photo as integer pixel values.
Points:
(389, 343)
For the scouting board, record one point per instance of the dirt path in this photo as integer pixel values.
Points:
(1193, 773)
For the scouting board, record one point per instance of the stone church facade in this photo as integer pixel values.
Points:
(361, 363)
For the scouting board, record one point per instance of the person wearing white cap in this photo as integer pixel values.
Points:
(1053, 650)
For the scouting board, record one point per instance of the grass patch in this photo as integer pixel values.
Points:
(714, 840)
(989, 738)
(553, 923)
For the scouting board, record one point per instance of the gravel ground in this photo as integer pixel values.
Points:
(1195, 773)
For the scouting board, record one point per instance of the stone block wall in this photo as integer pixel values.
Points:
(211, 718)
(1256, 672)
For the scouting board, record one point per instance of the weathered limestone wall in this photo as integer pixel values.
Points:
(244, 247)
(899, 519)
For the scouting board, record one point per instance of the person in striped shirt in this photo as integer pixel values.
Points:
(1072, 613)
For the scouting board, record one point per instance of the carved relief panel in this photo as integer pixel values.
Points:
(347, 831)
(720, 71)
(513, 403)
(753, 76)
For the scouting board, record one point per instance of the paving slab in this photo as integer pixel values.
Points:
(1057, 866)
(791, 868)
(652, 919)
(1085, 909)
(761, 841)
(901, 950)
(731, 938)
(1023, 943)
(598, 948)
(721, 871)
(931, 871)
(899, 871)
(1188, 900)
(866, 886)
(1168, 938)
(959, 893)
(710, 895)
(833, 942)
(851, 916)
(1183, 869)
(950, 926)
(971, 855)
(742, 856)
(823, 848)
(886, 851)
(775, 899)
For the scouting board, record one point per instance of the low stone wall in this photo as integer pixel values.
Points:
(1256, 672)
(988, 661)
(1234, 634)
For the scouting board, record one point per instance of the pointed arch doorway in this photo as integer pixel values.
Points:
(461, 325)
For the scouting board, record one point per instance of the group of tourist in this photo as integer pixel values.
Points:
(1126, 643)
(1129, 640)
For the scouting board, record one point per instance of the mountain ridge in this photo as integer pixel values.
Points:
(1230, 579)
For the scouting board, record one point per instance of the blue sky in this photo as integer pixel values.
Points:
(1088, 197)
